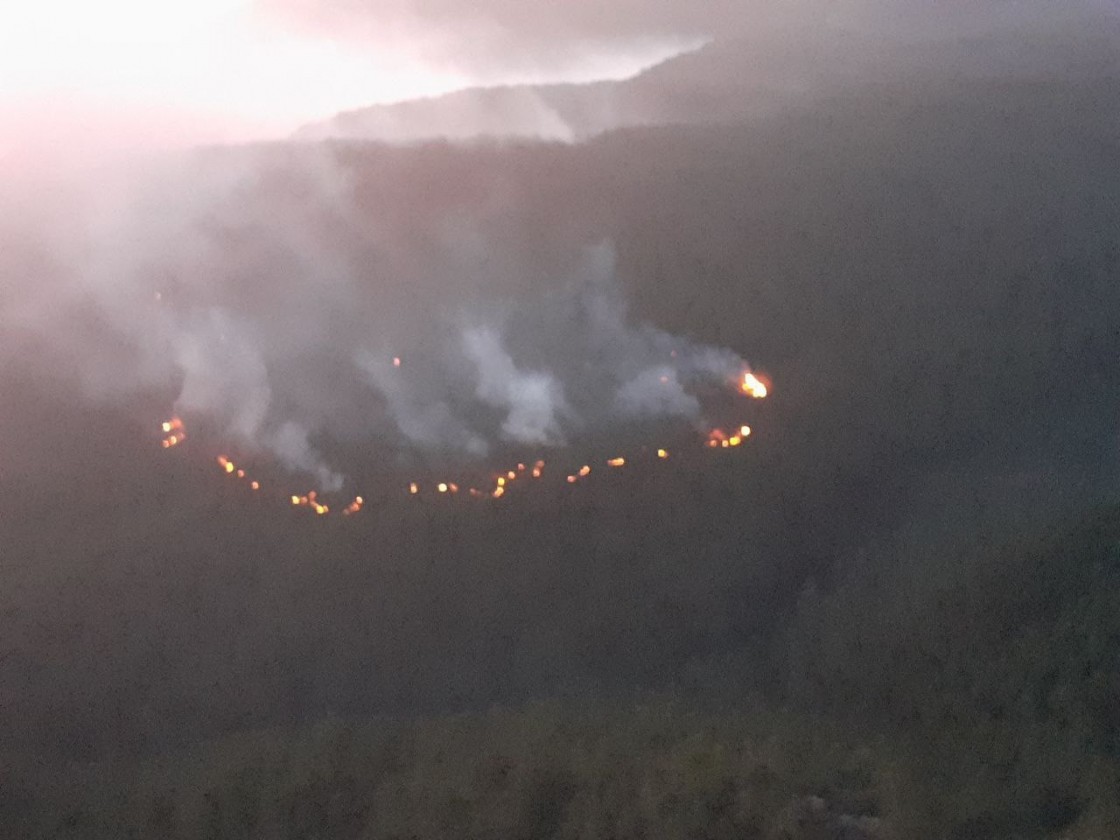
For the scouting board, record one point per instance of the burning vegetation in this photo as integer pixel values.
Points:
(175, 433)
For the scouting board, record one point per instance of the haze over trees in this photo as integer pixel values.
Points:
(896, 613)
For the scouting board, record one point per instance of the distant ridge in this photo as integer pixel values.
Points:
(728, 81)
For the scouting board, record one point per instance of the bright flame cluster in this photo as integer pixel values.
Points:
(719, 439)
(752, 386)
(174, 432)
(749, 385)
(231, 469)
(311, 500)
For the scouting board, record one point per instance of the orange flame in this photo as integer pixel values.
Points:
(616, 462)
(174, 431)
(584, 471)
(662, 454)
(752, 386)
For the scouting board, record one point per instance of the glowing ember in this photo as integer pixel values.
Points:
(752, 386)
(175, 432)
(716, 438)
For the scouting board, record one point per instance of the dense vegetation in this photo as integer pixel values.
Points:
(896, 615)
(987, 705)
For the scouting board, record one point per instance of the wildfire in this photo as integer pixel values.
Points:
(174, 432)
(311, 501)
(752, 386)
(719, 439)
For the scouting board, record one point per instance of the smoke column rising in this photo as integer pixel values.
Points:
(255, 289)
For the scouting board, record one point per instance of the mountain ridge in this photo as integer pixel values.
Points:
(727, 81)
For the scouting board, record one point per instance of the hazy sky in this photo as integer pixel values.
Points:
(148, 72)
(178, 73)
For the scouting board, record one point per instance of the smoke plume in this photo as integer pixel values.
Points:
(253, 289)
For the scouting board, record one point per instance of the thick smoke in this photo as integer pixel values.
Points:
(254, 290)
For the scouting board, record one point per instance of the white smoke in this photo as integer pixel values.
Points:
(534, 401)
(270, 297)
